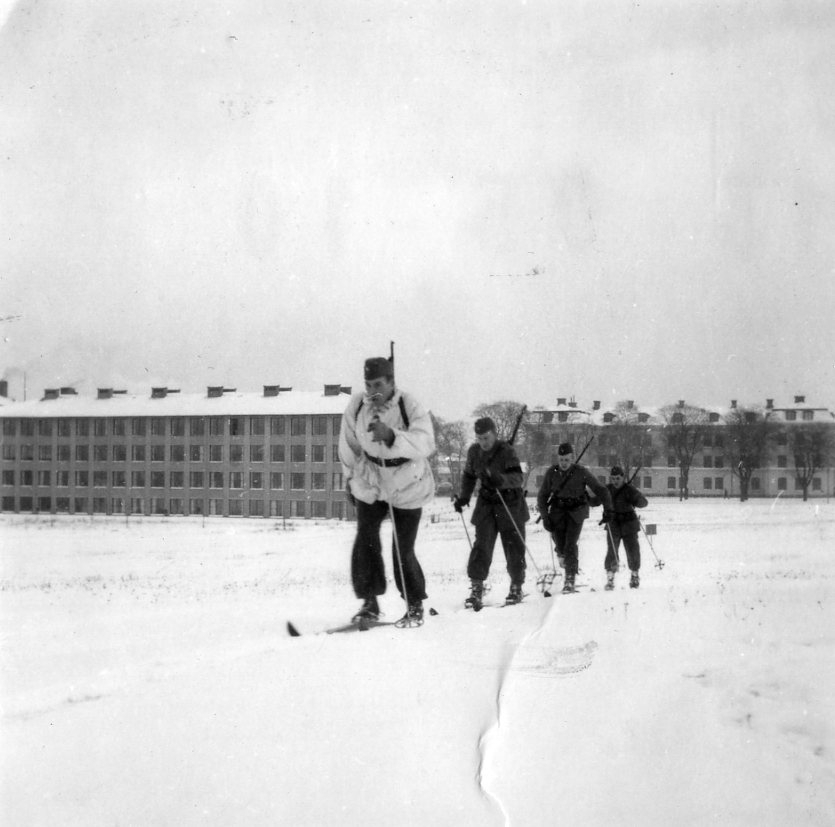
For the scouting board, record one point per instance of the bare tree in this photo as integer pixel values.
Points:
(451, 440)
(812, 445)
(629, 438)
(748, 434)
(684, 431)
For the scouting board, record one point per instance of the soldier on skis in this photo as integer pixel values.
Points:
(623, 525)
(564, 505)
(385, 443)
(500, 510)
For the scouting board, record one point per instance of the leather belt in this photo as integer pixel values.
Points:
(387, 463)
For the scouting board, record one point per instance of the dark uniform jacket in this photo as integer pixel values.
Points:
(564, 492)
(501, 460)
(624, 502)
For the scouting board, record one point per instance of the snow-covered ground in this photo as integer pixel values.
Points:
(148, 679)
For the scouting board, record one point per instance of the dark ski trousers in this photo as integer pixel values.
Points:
(496, 522)
(566, 533)
(368, 571)
(630, 543)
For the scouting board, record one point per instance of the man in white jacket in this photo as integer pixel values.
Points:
(385, 443)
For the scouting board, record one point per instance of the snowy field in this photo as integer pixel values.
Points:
(148, 679)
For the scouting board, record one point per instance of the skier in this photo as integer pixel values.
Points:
(564, 505)
(385, 443)
(500, 510)
(624, 526)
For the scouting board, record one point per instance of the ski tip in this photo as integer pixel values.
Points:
(433, 612)
(292, 630)
(546, 594)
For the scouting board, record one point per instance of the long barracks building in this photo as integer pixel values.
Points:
(223, 453)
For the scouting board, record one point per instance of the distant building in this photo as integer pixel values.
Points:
(710, 473)
(220, 454)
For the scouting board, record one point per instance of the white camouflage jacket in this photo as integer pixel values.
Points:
(401, 474)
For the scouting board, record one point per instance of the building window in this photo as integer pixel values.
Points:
(137, 479)
(196, 426)
(176, 479)
(816, 484)
(782, 461)
(99, 453)
(647, 483)
(215, 453)
(117, 427)
(317, 453)
(708, 483)
(791, 416)
(100, 505)
(62, 504)
(256, 479)
(256, 508)
(317, 482)
(79, 505)
(8, 477)
(297, 453)
(319, 425)
(137, 453)
(808, 416)
(27, 427)
(707, 461)
(178, 453)
(9, 427)
(236, 479)
(337, 481)
(671, 483)
(216, 479)
(99, 479)
(277, 426)
(195, 479)
(276, 508)
(175, 506)
(318, 508)
(236, 508)
(119, 479)
(276, 480)
(781, 483)
(157, 426)
(336, 452)
(718, 483)
(158, 505)
(671, 461)
(178, 425)
(62, 479)
(297, 482)
(82, 427)
(276, 453)
(62, 427)
(236, 426)
(137, 505)
(45, 453)
(719, 462)
(82, 479)
(44, 427)
(216, 426)
(157, 453)
(63, 453)
(82, 453)
(754, 484)
(236, 453)
(9, 451)
(298, 426)
(27, 478)
(256, 453)
(120, 453)
(27, 453)
(216, 508)
(298, 508)
(195, 453)
(195, 506)
(256, 426)
(138, 426)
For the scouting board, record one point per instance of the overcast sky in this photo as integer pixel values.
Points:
(604, 200)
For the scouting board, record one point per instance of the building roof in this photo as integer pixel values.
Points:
(229, 403)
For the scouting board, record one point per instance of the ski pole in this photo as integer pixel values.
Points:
(466, 530)
(519, 533)
(659, 564)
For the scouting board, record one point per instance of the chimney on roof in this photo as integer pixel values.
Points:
(67, 391)
(733, 403)
(4, 387)
(161, 393)
(799, 400)
(51, 393)
(104, 393)
(681, 403)
(769, 404)
(269, 390)
(572, 403)
(214, 391)
(595, 405)
(560, 400)
(630, 404)
(332, 390)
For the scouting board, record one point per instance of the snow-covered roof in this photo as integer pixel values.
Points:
(181, 404)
